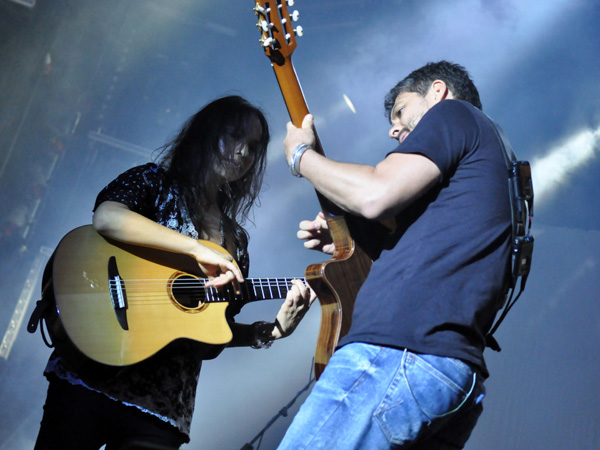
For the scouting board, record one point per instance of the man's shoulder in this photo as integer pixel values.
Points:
(454, 107)
(456, 115)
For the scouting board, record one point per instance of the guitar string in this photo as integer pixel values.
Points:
(140, 290)
(150, 281)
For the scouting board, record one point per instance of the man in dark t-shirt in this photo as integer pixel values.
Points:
(410, 371)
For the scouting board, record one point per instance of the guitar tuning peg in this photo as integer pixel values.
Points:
(267, 42)
(290, 2)
(299, 31)
(265, 25)
(295, 15)
(259, 9)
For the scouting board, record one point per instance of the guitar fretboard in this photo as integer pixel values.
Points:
(252, 289)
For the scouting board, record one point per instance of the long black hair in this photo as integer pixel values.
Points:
(192, 155)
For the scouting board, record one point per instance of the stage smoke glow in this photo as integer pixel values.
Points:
(554, 169)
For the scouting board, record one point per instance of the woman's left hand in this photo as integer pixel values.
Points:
(296, 305)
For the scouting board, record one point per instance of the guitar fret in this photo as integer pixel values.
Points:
(262, 292)
(245, 291)
(275, 292)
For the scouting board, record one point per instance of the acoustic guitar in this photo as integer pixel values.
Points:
(119, 304)
(337, 281)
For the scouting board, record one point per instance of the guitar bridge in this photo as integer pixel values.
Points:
(118, 294)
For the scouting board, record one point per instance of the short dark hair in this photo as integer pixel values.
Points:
(455, 76)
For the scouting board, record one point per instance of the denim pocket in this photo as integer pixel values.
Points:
(424, 389)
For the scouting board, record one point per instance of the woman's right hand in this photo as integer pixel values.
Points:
(219, 267)
(316, 234)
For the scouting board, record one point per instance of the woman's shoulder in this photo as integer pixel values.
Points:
(149, 167)
(142, 169)
(150, 173)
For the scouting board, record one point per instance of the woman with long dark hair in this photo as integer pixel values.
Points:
(202, 188)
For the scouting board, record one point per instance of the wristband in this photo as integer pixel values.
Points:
(296, 156)
(263, 332)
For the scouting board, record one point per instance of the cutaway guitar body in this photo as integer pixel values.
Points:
(336, 283)
(118, 304)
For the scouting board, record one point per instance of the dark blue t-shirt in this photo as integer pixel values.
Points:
(439, 283)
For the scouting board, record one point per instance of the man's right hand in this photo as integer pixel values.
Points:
(316, 234)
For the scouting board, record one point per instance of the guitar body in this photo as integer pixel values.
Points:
(336, 283)
(85, 313)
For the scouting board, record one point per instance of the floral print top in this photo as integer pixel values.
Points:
(165, 384)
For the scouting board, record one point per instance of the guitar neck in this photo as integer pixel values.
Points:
(298, 109)
(292, 92)
(253, 289)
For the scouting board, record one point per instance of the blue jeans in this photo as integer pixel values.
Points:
(372, 397)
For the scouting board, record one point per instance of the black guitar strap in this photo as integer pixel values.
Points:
(44, 305)
(520, 189)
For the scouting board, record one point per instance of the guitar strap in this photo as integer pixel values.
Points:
(520, 189)
(43, 305)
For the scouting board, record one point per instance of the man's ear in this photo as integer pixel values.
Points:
(440, 91)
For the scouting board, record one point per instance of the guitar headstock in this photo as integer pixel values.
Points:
(278, 37)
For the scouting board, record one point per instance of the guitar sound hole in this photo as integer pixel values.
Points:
(187, 291)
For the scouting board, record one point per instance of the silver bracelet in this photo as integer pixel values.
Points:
(296, 156)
